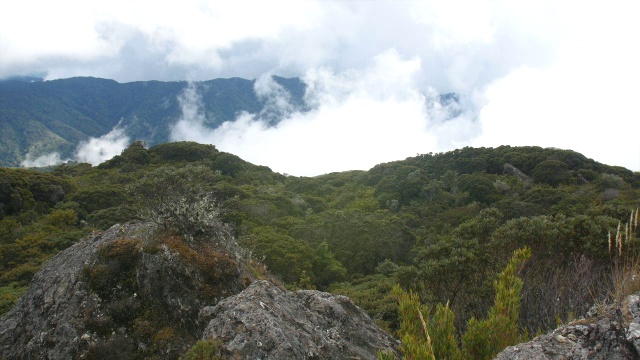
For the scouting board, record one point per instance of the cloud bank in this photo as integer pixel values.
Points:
(93, 151)
(97, 150)
(548, 73)
(42, 161)
(358, 119)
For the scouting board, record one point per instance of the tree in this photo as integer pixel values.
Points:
(552, 172)
(454, 268)
(180, 199)
(326, 268)
(284, 256)
(480, 187)
(425, 337)
(486, 338)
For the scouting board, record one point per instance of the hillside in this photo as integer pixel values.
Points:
(39, 117)
(441, 225)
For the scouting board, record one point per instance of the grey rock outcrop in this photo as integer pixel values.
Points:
(132, 292)
(582, 180)
(267, 322)
(512, 170)
(613, 335)
(45, 323)
(118, 294)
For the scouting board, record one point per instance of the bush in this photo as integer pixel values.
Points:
(9, 295)
(552, 172)
(180, 199)
(203, 350)
(434, 337)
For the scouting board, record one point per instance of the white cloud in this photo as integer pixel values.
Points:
(359, 119)
(42, 161)
(97, 150)
(71, 37)
(93, 151)
(565, 66)
(198, 40)
(585, 101)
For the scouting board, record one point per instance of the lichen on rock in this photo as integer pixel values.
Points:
(614, 334)
(268, 322)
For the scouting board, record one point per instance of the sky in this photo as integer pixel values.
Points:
(560, 74)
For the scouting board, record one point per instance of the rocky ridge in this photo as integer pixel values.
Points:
(133, 292)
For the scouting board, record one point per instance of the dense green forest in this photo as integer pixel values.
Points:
(440, 225)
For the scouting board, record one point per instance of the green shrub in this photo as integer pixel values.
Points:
(434, 337)
(203, 350)
(9, 295)
(484, 339)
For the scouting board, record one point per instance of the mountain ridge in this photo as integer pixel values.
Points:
(38, 118)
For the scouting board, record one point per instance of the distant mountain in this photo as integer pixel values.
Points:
(39, 117)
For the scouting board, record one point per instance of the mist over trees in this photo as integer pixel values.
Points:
(54, 117)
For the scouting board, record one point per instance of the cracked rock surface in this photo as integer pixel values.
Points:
(613, 335)
(267, 322)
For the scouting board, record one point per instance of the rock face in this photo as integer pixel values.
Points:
(267, 322)
(132, 293)
(614, 335)
(45, 322)
(120, 294)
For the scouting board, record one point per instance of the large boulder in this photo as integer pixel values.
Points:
(132, 292)
(266, 321)
(613, 334)
(128, 292)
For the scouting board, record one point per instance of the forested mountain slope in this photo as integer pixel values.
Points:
(442, 225)
(39, 117)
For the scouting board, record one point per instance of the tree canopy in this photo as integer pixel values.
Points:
(441, 225)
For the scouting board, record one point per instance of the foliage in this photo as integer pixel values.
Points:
(326, 268)
(203, 350)
(24, 247)
(282, 254)
(552, 172)
(359, 240)
(434, 337)
(414, 334)
(439, 224)
(182, 151)
(9, 295)
(180, 199)
(373, 294)
(485, 338)
(46, 116)
(94, 198)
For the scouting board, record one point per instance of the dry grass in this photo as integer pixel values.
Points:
(625, 259)
(624, 280)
